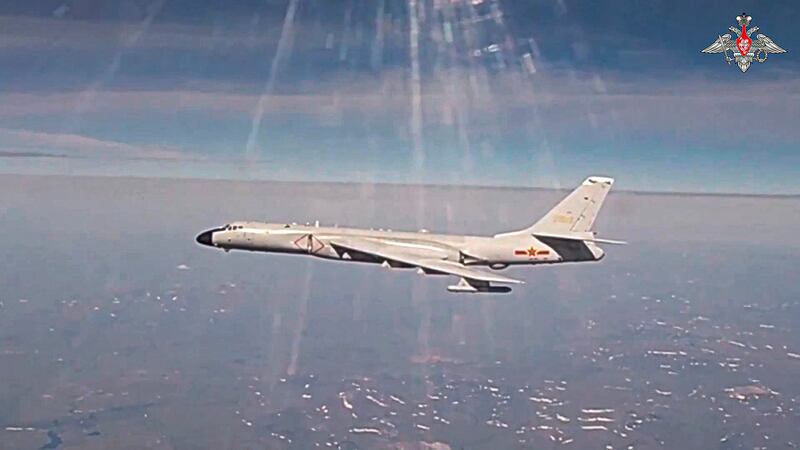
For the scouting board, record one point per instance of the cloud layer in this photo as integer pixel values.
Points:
(26, 143)
(513, 87)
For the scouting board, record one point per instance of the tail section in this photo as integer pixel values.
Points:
(576, 213)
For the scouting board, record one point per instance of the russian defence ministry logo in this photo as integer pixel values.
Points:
(744, 50)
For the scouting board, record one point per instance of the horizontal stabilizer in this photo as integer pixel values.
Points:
(582, 237)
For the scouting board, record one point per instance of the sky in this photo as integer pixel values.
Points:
(508, 93)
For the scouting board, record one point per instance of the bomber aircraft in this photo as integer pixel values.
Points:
(563, 235)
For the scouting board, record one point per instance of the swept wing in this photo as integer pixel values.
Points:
(388, 252)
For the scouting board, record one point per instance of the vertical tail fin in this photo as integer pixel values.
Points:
(576, 213)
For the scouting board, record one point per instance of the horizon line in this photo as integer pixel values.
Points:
(399, 184)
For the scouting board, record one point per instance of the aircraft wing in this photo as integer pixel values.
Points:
(386, 252)
(460, 270)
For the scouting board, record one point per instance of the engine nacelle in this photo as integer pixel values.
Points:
(467, 259)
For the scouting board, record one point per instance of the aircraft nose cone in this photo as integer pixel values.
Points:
(205, 237)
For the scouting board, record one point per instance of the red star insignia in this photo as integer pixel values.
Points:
(531, 251)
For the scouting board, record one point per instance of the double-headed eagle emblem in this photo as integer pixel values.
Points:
(744, 50)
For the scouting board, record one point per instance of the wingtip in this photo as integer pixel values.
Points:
(594, 179)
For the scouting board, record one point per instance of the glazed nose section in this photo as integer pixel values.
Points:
(206, 237)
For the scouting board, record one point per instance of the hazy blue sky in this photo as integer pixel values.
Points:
(528, 93)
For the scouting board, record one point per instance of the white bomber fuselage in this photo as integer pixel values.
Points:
(496, 252)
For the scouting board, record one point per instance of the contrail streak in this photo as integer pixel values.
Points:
(415, 121)
(284, 46)
(300, 325)
(128, 42)
(376, 57)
